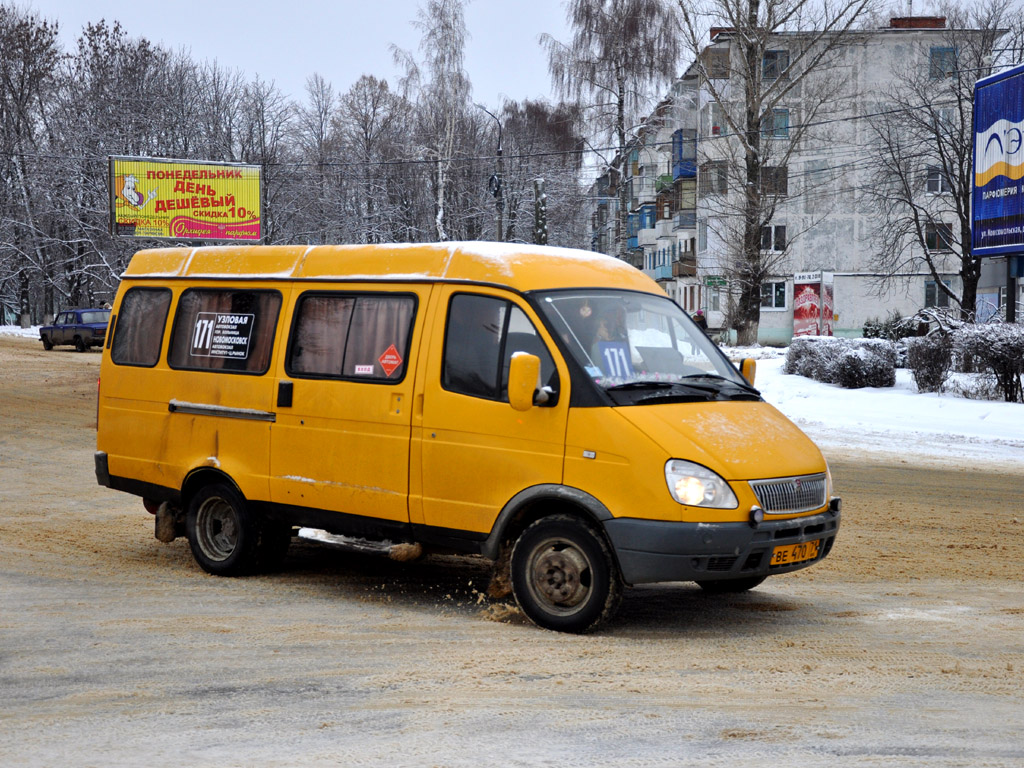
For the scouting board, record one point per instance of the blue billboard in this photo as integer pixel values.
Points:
(998, 198)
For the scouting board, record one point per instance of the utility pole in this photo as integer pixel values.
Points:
(540, 213)
(494, 184)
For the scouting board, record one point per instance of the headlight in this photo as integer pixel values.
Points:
(698, 486)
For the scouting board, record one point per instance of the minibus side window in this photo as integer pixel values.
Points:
(482, 335)
(224, 330)
(472, 345)
(363, 337)
(139, 330)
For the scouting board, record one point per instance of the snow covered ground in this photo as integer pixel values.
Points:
(889, 424)
(893, 423)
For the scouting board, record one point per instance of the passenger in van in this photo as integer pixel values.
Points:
(610, 348)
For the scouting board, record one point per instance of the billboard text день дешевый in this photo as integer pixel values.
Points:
(184, 200)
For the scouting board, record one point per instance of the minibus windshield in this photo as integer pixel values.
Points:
(642, 343)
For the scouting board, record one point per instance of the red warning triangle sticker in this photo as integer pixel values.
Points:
(390, 360)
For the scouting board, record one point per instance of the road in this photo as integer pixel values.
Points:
(904, 648)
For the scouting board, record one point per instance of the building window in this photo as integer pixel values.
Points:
(713, 122)
(774, 64)
(776, 125)
(773, 238)
(938, 237)
(714, 295)
(713, 178)
(775, 180)
(773, 295)
(934, 296)
(937, 182)
(702, 235)
(716, 62)
(941, 63)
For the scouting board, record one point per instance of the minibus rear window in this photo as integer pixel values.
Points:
(224, 330)
(140, 327)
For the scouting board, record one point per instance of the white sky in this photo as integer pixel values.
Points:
(339, 39)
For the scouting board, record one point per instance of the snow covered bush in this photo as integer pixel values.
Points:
(850, 363)
(864, 366)
(893, 328)
(929, 359)
(997, 348)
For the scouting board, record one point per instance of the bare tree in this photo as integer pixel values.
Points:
(543, 142)
(621, 52)
(779, 51)
(441, 92)
(922, 152)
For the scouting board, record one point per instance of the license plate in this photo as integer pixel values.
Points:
(795, 553)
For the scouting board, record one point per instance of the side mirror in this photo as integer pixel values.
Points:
(748, 367)
(523, 372)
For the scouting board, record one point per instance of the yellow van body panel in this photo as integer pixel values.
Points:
(476, 454)
(609, 458)
(343, 445)
(740, 440)
(150, 434)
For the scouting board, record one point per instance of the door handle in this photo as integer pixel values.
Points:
(284, 394)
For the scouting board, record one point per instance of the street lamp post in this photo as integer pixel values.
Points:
(494, 184)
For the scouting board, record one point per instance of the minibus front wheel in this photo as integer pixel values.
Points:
(563, 575)
(227, 538)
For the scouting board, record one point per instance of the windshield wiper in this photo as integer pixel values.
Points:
(716, 378)
(640, 385)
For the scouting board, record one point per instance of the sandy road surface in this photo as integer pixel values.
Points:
(906, 647)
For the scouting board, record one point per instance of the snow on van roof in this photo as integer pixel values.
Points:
(521, 266)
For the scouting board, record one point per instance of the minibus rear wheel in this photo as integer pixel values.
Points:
(227, 538)
(563, 575)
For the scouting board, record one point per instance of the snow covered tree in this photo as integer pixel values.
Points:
(922, 152)
(621, 52)
(745, 86)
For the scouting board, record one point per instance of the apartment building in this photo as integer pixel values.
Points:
(820, 237)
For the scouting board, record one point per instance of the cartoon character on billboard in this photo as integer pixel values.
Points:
(127, 192)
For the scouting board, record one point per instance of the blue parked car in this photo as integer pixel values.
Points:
(82, 327)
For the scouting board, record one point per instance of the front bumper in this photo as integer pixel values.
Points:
(653, 551)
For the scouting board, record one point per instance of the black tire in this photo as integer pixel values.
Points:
(80, 345)
(731, 586)
(563, 575)
(47, 344)
(227, 538)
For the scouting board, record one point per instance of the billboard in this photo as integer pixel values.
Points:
(998, 196)
(184, 200)
(813, 303)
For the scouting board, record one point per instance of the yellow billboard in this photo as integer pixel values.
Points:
(184, 200)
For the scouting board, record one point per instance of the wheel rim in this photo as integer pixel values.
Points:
(217, 528)
(560, 576)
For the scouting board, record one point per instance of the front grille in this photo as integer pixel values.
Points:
(789, 495)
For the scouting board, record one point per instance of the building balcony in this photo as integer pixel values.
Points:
(664, 272)
(685, 220)
(684, 169)
(685, 267)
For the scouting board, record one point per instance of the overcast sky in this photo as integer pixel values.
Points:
(339, 39)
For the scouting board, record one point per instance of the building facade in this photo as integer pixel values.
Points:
(821, 232)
